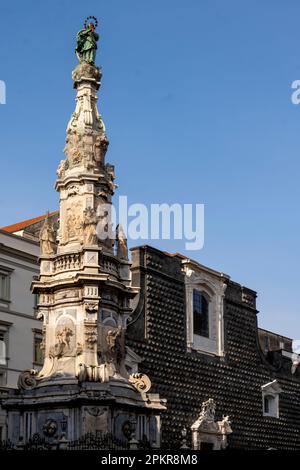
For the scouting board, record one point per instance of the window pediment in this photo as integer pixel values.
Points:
(270, 399)
(272, 388)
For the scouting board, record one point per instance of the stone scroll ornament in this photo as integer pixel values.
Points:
(27, 379)
(141, 382)
(87, 41)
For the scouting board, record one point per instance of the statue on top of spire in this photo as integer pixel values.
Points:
(87, 41)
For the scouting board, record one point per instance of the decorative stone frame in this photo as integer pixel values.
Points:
(207, 431)
(212, 285)
(271, 390)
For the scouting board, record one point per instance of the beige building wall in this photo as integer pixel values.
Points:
(18, 325)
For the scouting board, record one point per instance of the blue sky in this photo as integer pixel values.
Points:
(196, 97)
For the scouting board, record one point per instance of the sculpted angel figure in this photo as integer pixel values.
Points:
(114, 346)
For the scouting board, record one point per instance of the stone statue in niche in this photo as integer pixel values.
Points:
(115, 347)
(122, 250)
(104, 232)
(100, 147)
(89, 226)
(47, 238)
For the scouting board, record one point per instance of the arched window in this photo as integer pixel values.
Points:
(200, 314)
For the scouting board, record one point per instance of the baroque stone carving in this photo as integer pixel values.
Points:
(115, 348)
(50, 428)
(74, 224)
(95, 411)
(104, 230)
(206, 429)
(91, 307)
(100, 146)
(122, 250)
(85, 70)
(74, 148)
(225, 425)
(208, 410)
(141, 382)
(61, 169)
(47, 238)
(89, 226)
(73, 190)
(63, 346)
(27, 379)
(43, 342)
(90, 336)
(92, 373)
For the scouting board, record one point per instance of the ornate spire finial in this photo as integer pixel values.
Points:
(87, 41)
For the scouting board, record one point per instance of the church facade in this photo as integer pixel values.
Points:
(197, 332)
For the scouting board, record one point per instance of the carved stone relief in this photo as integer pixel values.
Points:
(91, 307)
(91, 336)
(50, 428)
(95, 419)
(65, 336)
(74, 223)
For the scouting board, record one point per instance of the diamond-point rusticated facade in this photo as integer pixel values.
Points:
(231, 368)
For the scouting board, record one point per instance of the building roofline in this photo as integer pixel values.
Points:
(26, 223)
(19, 237)
(183, 259)
(276, 334)
(188, 260)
